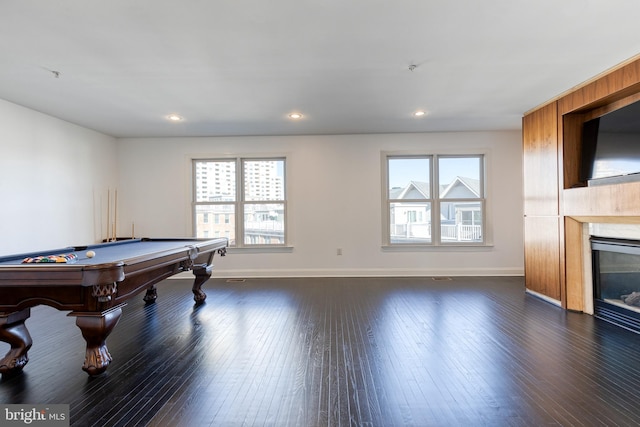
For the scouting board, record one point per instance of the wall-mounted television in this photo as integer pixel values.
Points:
(611, 147)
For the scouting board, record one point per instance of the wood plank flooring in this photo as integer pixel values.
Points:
(340, 352)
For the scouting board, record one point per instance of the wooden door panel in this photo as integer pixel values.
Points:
(542, 256)
(540, 161)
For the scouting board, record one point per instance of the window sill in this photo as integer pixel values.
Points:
(438, 248)
(260, 249)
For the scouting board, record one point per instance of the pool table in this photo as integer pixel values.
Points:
(94, 289)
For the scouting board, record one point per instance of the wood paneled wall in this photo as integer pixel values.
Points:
(542, 228)
(540, 139)
(617, 84)
(556, 199)
(542, 256)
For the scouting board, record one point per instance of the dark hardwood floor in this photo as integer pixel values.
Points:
(338, 352)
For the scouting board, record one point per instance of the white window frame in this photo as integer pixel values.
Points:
(435, 201)
(239, 202)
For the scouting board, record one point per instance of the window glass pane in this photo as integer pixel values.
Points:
(409, 178)
(220, 210)
(264, 224)
(459, 177)
(410, 222)
(461, 222)
(215, 181)
(263, 180)
(219, 227)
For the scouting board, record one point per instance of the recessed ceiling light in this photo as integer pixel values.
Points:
(420, 113)
(295, 116)
(174, 117)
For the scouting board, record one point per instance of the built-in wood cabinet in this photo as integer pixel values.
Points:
(540, 142)
(542, 255)
(557, 202)
(542, 228)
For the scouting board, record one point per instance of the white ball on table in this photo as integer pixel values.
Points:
(91, 254)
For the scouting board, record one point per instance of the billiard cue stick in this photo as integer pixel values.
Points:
(108, 212)
(115, 213)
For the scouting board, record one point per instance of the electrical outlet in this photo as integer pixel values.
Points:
(339, 252)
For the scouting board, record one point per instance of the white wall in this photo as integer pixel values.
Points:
(52, 178)
(334, 185)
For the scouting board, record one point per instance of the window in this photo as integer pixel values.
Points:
(434, 199)
(247, 200)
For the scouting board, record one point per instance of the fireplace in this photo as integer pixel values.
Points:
(616, 281)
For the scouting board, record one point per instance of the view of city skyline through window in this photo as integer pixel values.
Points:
(249, 204)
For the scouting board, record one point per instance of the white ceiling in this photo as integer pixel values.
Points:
(239, 67)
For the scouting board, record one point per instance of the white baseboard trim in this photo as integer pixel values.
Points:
(370, 272)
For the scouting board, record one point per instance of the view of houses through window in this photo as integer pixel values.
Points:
(240, 197)
(435, 199)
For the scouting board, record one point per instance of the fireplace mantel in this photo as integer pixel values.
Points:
(616, 203)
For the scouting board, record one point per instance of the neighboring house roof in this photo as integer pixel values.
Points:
(414, 190)
(395, 192)
(473, 185)
(420, 190)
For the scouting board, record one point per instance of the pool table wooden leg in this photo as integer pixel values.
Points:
(14, 332)
(95, 328)
(151, 296)
(202, 273)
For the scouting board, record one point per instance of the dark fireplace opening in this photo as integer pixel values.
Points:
(616, 281)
